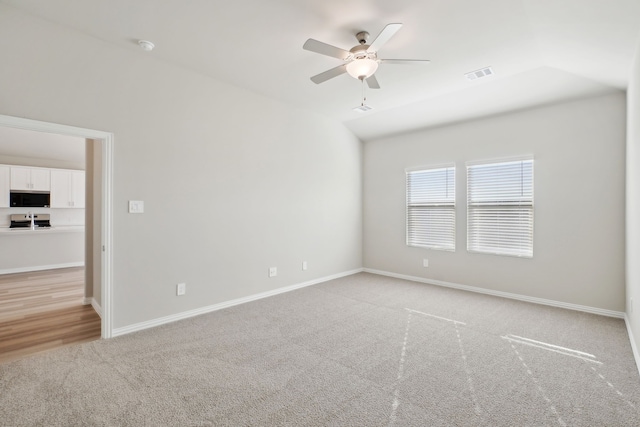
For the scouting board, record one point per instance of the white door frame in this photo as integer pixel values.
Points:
(107, 186)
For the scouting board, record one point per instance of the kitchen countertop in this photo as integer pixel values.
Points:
(43, 230)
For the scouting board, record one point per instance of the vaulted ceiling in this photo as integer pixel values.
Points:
(541, 51)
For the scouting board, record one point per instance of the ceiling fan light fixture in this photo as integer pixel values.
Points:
(362, 68)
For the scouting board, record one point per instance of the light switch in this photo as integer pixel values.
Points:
(136, 206)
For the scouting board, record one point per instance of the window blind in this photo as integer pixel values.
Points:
(431, 209)
(500, 208)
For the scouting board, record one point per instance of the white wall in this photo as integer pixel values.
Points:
(96, 214)
(233, 183)
(633, 202)
(37, 250)
(579, 202)
(89, 223)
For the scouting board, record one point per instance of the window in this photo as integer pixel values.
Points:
(431, 208)
(500, 208)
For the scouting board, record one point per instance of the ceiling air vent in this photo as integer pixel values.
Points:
(478, 74)
(363, 108)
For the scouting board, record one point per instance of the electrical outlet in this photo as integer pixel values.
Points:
(181, 288)
(304, 265)
(425, 263)
(273, 271)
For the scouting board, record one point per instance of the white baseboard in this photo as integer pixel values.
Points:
(96, 307)
(40, 268)
(208, 309)
(569, 306)
(634, 346)
(94, 304)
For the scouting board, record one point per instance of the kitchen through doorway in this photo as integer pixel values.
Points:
(93, 271)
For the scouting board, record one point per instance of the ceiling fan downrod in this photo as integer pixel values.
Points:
(362, 37)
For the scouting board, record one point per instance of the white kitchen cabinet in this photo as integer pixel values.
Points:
(30, 179)
(4, 186)
(67, 188)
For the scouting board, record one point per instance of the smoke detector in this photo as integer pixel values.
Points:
(146, 45)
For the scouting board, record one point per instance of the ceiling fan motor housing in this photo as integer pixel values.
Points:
(360, 52)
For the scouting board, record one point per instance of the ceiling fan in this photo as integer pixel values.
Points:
(361, 61)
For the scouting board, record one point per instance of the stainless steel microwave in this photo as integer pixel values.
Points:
(29, 200)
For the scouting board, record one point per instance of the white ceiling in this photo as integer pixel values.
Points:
(542, 51)
(22, 143)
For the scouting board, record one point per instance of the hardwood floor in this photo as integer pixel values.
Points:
(43, 310)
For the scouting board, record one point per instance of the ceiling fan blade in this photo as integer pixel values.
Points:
(329, 74)
(325, 49)
(372, 82)
(405, 61)
(384, 36)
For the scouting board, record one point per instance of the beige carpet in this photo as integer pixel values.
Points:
(364, 350)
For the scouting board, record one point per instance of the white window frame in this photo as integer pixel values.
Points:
(500, 207)
(440, 209)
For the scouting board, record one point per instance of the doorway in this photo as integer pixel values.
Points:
(100, 251)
